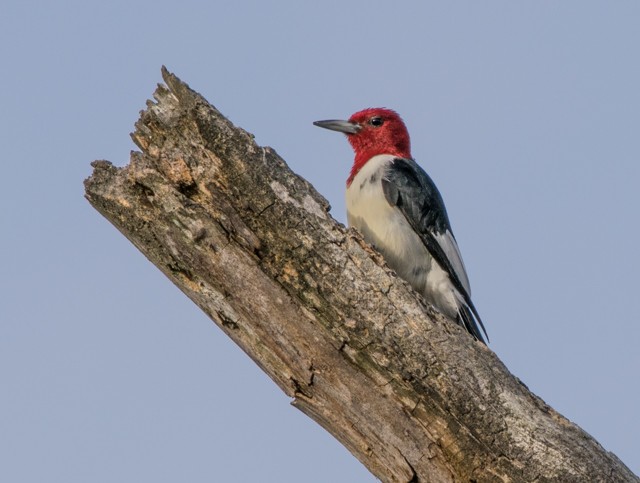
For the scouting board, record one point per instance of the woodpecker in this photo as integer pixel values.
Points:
(397, 208)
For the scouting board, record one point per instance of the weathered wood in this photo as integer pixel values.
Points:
(410, 394)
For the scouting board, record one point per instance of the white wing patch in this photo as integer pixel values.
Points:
(452, 252)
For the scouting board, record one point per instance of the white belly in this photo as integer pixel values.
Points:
(386, 228)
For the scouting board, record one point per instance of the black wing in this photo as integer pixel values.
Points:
(407, 186)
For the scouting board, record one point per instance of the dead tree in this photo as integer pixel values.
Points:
(411, 395)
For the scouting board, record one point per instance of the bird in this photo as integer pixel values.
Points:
(398, 209)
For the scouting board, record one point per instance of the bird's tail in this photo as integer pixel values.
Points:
(469, 319)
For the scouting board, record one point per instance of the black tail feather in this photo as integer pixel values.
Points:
(469, 319)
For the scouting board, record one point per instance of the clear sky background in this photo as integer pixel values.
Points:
(526, 114)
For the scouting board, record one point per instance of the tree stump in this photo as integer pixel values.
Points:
(407, 391)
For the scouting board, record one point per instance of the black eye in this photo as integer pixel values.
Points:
(376, 121)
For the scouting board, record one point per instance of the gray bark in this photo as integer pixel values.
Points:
(408, 392)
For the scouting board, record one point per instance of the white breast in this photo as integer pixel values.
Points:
(386, 228)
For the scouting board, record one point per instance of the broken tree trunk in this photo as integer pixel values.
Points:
(411, 395)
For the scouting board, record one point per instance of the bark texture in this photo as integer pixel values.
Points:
(411, 395)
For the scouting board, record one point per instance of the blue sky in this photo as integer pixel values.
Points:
(526, 114)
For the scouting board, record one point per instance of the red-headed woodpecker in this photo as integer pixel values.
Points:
(398, 209)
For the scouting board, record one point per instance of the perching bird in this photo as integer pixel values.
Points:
(398, 209)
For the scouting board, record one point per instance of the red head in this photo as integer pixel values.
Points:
(371, 132)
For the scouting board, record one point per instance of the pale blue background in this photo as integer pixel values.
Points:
(526, 114)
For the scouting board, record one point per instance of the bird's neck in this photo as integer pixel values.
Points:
(363, 157)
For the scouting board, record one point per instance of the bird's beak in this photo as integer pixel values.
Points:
(341, 126)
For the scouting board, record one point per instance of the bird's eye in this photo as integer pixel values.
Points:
(376, 121)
